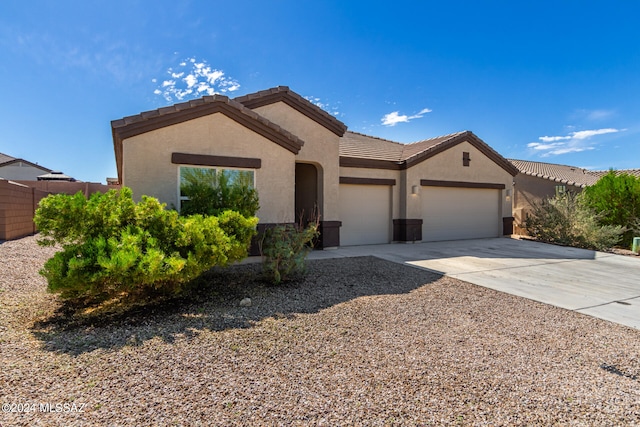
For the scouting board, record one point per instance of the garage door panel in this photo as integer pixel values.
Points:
(451, 213)
(365, 212)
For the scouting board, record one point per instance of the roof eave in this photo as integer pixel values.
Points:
(295, 101)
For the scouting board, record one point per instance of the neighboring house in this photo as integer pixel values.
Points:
(538, 181)
(367, 190)
(19, 169)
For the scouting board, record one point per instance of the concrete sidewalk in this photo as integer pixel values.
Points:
(598, 284)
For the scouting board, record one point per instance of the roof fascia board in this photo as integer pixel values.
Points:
(366, 181)
(461, 184)
(356, 162)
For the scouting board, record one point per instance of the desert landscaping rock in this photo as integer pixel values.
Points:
(360, 341)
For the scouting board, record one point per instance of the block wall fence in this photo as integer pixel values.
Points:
(19, 201)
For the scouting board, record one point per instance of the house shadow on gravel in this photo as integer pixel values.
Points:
(215, 304)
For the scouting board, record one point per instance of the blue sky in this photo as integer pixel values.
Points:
(552, 81)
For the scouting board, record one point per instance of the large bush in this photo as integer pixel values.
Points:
(113, 246)
(567, 220)
(616, 198)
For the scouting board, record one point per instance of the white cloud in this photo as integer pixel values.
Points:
(331, 109)
(393, 118)
(584, 134)
(553, 138)
(575, 142)
(423, 111)
(194, 78)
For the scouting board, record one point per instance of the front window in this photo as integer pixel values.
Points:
(195, 178)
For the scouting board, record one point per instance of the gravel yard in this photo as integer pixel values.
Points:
(361, 341)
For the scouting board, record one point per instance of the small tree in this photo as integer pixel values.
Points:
(616, 199)
(285, 248)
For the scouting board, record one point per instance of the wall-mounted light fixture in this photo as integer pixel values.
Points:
(415, 189)
(508, 195)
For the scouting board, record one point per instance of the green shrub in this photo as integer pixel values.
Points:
(616, 198)
(285, 247)
(111, 245)
(211, 192)
(566, 220)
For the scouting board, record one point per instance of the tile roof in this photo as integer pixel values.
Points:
(297, 102)
(355, 145)
(5, 158)
(570, 175)
(600, 174)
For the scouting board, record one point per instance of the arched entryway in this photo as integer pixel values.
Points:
(307, 204)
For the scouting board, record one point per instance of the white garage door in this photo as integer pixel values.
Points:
(452, 213)
(365, 212)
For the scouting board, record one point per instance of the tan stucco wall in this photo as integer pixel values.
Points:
(321, 148)
(447, 166)
(148, 170)
(530, 190)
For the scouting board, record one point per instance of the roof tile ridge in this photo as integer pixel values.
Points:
(447, 137)
(550, 164)
(375, 137)
(168, 109)
(444, 138)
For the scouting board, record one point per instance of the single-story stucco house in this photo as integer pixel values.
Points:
(367, 190)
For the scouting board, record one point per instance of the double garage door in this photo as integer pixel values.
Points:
(448, 213)
(453, 213)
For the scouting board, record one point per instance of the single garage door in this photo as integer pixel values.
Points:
(365, 212)
(452, 213)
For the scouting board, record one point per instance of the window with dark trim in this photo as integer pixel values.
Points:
(210, 176)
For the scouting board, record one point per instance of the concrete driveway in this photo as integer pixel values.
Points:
(598, 284)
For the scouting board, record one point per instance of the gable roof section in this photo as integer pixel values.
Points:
(295, 101)
(148, 121)
(358, 150)
(6, 160)
(563, 174)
